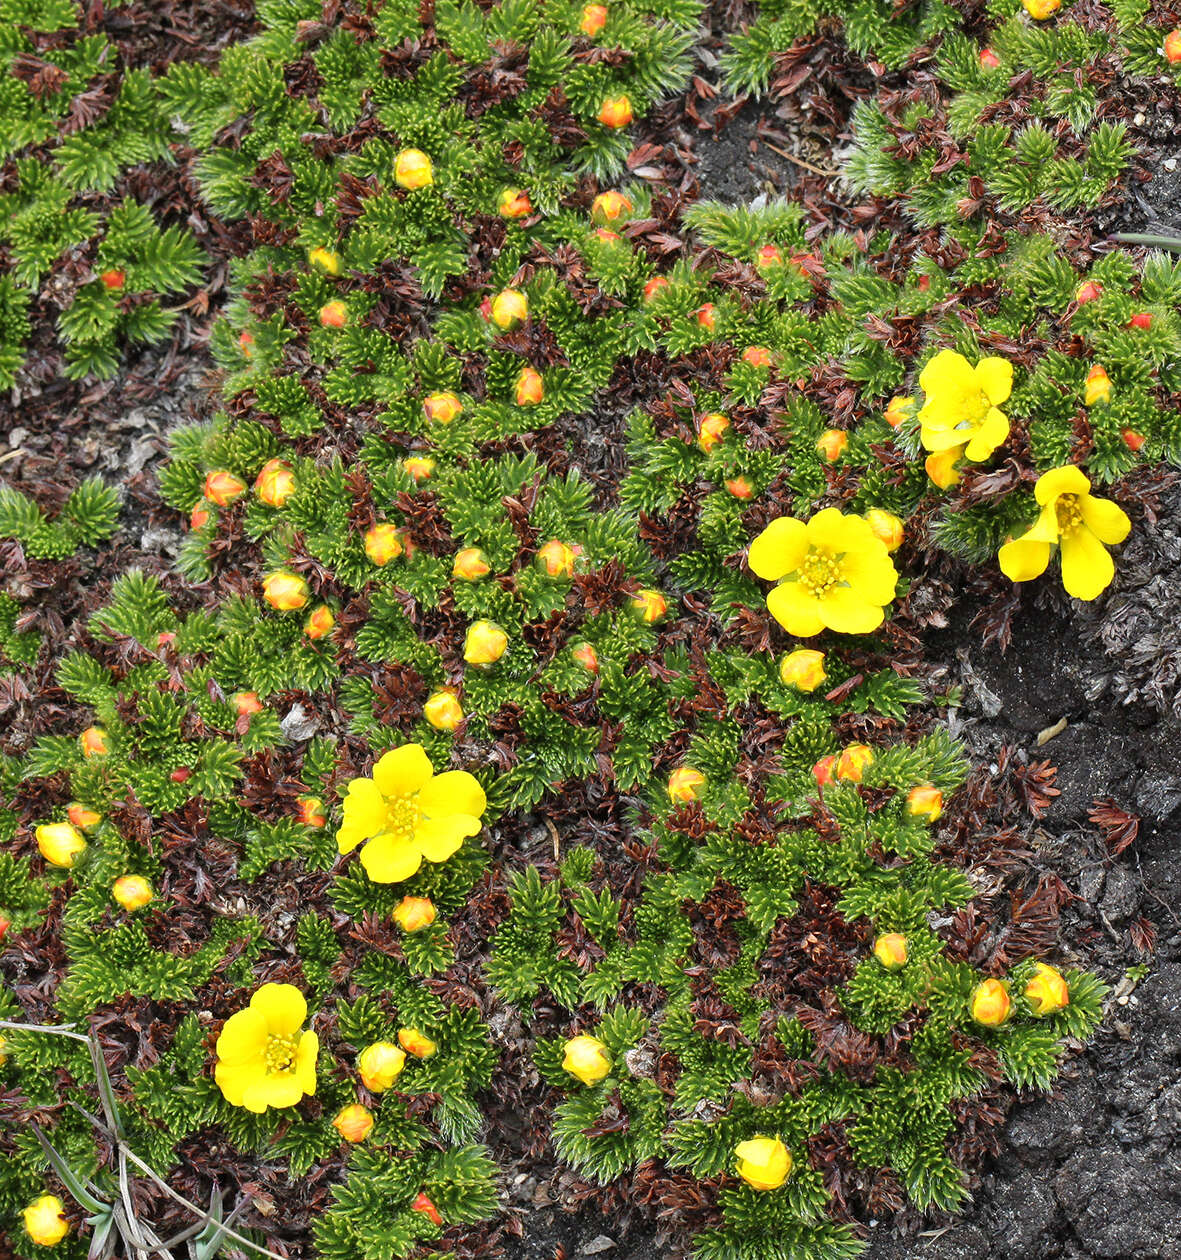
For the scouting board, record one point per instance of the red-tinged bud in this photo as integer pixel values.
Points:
(427, 1208)
(1047, 991)
(1097, 388)
(94, 742)
(310, 811)
(768, 256)
(831, 444)
(825, 770)
(5, 924)
(898, 409)
(529, 389)
(246, 702)
(853, 762)
(941, 467)
(164, 638)
(419, 467)
(246, 344)
(990, 1003)
(509, 310)
(924, 283)
(1172, 47)
(114, 279)
(556, 558)
(326, 260)
(334, 315)
(413, 169)
(890, 949)
(441, 408)
(319, 623)
(594, 18)
(182, 774)
(886, 526)
(707, 316)
(412, 914)
(757, 356)
(470, 564)
(686, 783)
(988, 59)
(82, 817)
(443, 710)
(615, 111)
(199, 515)
(587, 657)
(740, 487)
(285, 592)
(1039, 10)
(606, 236)
(275, 483)
(485, 643)
(485, 309)
(925, 801)
(649, 605)
(514, 203)
(1132, 440)
(1088, 291)
(711, 429)
(653, 287)
(353, 1122)
(1142, 319)
(132, 892)
(223, 487)
(383, 543)
(611, 207)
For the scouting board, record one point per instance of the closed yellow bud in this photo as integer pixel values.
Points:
(319, 623)
(471, 564)
(610, 207)
(1098, 386)
(685, 784)
(510, 309)
(831, 444)
(380, 1065)
(925, 801)
(353, 1122)
(132, 892)
(802, 669)
(325, 259)
(649, 605)
(413, 169)
(899, 408)
(485, 644)
(854, 761)
(763, 1163)
(275, 483)
(587, 1059)
(1047, 991)
(441, 408)
(60, 843)
(556, 558)
(44, 1221)
(412, 914)
(285, 592)
(529, 389)
(886, 526)
(990, 1003)
(416, 1043)
(223, 487)
(891, 951)
(1039, 10)
(419, 467)
(383, 543)
(94, 742)
(82, 817)
(941, 467)
(711, 429)
(443, 710)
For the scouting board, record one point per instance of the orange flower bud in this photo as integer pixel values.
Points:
(941, 467)
(925, 801)
(768, 256)
(653, 287)
(325, 259)
(606, 236)
(707, 316)
(854, 761)
(514, 203)
(285, 592)
(413, 913)
(757, 356)
(1039, 10)
(418, 467)
(802, 669)
(132, 892)
(199, 515)
(1173, 47)
(739, 487)
(587, 657)
(990, 1003)
(886, 526)
(443, 710)
(899, 408)
(380, 1065)
(45, 1222)
(5, 924)
(988, 59)
(470, 564)
(423, 1204)
(615, 111)
(556, 558)
(1132, 440)
(275, 483)
(441, 408)
(413, 169)
(685, 784)
(510, 309)
(529, 388)
(1142, 319)
(649, 605)
(164, 638)
(223, 487)
(94, 742)
(891, 950)
(416, 1043)
(587, 1059)
(611, 207)
(353, 1122)
(383, 543)
(246, 702)
(59, 843)
(334, 315)
(763, 1163)
(310, 811)
(1047, 992)
(711, 429)
(485, 643)
(831, 444)
(1098, 386)
(81, 817)
(319, 623)
(1088, 291)
(824, 771)
(113, 279)
(246, 344)
(594, 18)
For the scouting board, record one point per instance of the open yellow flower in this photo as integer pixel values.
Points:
(833, 572)
(962, 406)
(265, 1057)
(406, 813)
(1082, 526)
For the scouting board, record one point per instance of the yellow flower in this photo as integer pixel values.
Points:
(406, 813)
(1047, 991)
(265, 1057)
(925, 801)
(412, 169)
(416, 1043)
(443, 710)
(990, 1003)
(891, 951)
(485, 643)
(763, 1163)
(685, 784)
(413, 913)
(962, 406)
(380, 1065)
(587, 1059)
(132, 892)
(353, 1122)
(60, 843)
(1081, 525)
(44, 1222)
(832, 571)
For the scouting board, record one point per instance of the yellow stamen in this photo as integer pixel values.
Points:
(280, 1053)
(819, 573)
(1069, 515)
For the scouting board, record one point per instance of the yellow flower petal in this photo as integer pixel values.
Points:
(871, 573)
(1087, 568)
(937, 438)
(837, 533)
(1045, 528)
(305, 1062)
(779, 549)
(439, 838)
(403, 771)
(1023, 559)
(282, 1006)
(233, 1079)
(795, 610)
(948, 371)
(995, 377)
(364, 814)
(1106, 520)
(1069, 479)
(452, 792)
(387, 859)
(845, 611)
(276, 1089)
(243, 1037)
(990, 435)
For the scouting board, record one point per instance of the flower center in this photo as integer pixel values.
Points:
(819, 573)
(280, 1052)
(976, 408)
(401, 816)
(1069, 514)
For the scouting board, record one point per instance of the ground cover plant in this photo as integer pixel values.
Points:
(535, 738)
